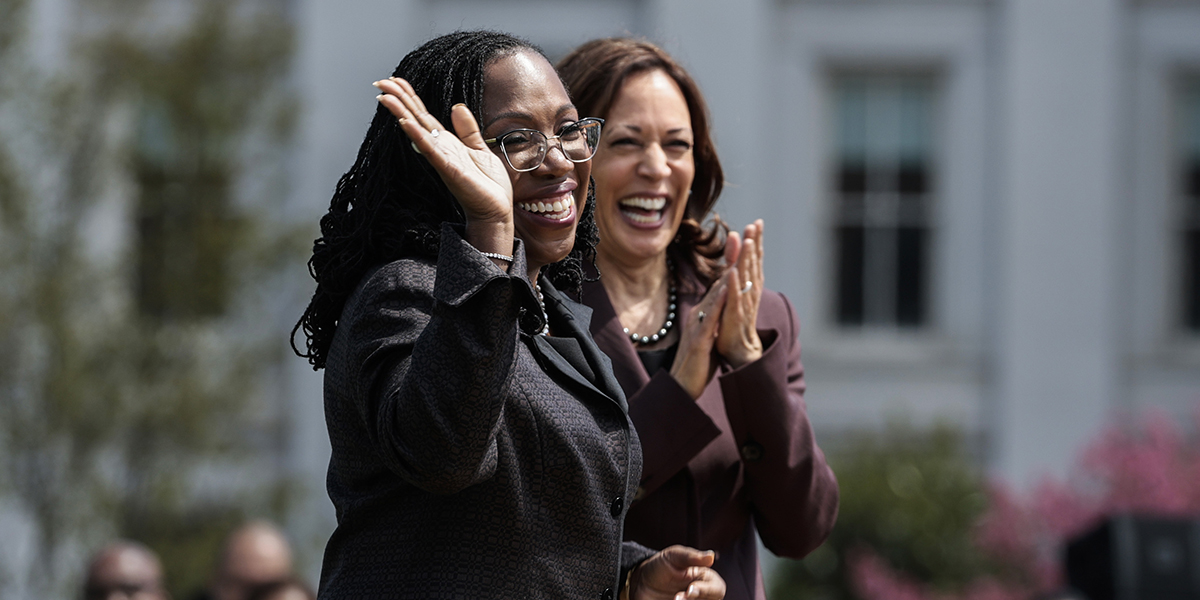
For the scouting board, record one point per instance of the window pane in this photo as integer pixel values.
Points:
(850, 275)
(852, 178)
(910, 281)
(910, 178)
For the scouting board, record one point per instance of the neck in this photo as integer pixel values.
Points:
(534, 271)
(638, 290)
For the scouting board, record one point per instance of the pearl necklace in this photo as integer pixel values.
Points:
(645, 340)
(545, 316)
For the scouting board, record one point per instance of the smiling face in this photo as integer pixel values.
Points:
(522, 91)
(643, 168)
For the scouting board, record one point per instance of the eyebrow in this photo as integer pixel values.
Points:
(638, 128)
(568, 107)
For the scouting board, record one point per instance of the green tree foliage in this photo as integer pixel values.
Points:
(137, 252)
(909, 495)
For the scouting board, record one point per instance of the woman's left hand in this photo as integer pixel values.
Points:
(738, 340)
(676, 573)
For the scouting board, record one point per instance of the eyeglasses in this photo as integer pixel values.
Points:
(525, 149)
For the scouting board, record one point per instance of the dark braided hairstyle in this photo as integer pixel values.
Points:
(392, 202)
(594, 74)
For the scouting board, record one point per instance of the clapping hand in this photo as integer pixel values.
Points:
(738, 339)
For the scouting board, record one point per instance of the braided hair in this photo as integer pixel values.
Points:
(392, 202)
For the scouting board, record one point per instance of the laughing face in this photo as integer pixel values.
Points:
(643, 169)
(522, 91)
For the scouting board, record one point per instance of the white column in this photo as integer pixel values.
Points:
(1058, 333)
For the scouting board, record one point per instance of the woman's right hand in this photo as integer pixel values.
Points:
(697, 335)
(676, 573)
(475, 175)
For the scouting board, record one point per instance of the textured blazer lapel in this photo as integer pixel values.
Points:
(574, 317)
(601, 364)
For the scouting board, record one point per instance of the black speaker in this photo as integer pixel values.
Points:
(1130, 557)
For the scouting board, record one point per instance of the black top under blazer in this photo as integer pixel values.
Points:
(473, 458)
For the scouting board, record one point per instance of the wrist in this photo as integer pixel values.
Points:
(741, 359)
(493, 237)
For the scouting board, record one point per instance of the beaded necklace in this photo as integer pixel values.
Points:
(545, 315)
(645, 340)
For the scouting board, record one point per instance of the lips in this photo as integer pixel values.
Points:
(643, 210)
(555, 209)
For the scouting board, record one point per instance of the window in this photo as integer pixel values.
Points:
(185, 225)
(1189, 171)
(881, 194)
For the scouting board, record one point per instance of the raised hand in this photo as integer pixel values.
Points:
(475, 175)
(676, 573)
(737, 339)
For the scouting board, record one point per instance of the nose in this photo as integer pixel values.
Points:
(654, 163)
(556, 163)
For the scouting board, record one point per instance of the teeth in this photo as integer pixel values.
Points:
(640, 218)
(645, 203)
(559, 209)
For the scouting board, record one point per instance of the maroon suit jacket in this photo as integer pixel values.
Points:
(740, 457)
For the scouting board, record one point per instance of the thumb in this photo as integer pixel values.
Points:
(466, 127)
(682, 557)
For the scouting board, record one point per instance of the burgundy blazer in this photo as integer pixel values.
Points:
(741, 457)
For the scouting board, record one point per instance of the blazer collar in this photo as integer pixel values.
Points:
(571, 320)
(610, 334)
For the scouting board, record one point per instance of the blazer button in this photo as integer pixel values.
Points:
(606, 594)
(752, 451)
(618, 504)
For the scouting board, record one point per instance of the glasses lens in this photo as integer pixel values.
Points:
(579, 141)
(524, 149)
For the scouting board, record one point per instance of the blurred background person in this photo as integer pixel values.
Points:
(254, 554)
(125, 570)
(709, 358)
(291, 588)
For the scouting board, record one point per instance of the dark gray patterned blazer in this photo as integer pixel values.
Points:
(473, 458)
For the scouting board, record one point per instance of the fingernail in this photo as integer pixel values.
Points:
(691, 591)
(458, 105)
(379, 97)
(403, 120)
(376, 84)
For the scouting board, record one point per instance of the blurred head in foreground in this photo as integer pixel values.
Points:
(124, 570)
(255, 554)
